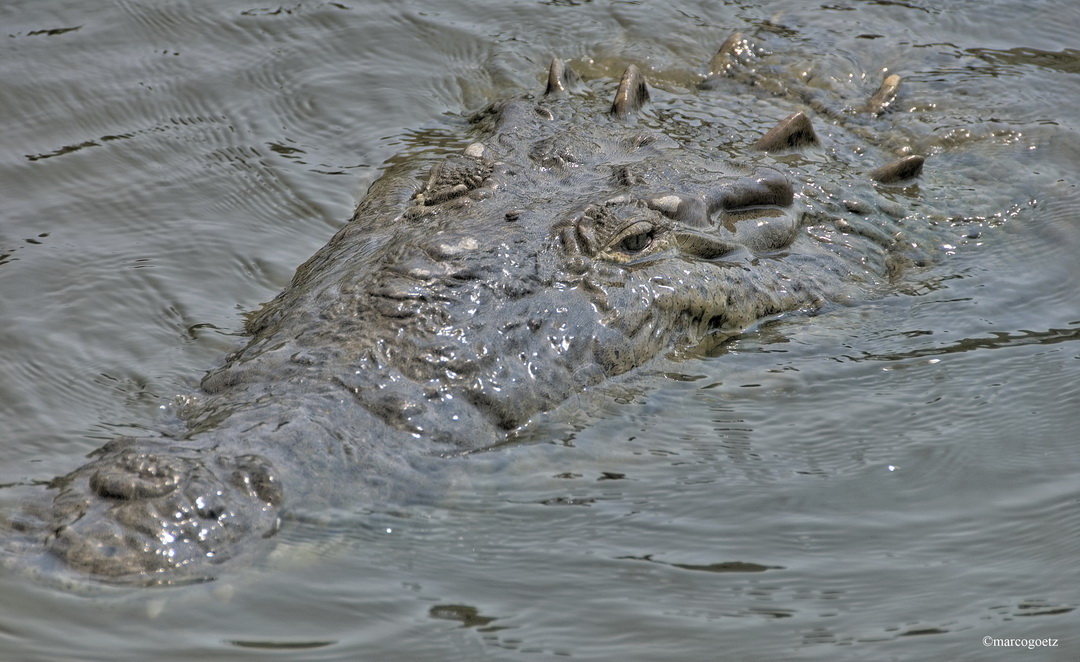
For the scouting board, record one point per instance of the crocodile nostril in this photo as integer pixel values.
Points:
(209, 506)
(136, 476)
(255, 476)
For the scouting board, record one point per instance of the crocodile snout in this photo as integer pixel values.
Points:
(133, 512)
(132, 475)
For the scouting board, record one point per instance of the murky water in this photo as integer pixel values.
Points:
(897, 480)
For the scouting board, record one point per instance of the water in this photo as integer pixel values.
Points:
(896, 480)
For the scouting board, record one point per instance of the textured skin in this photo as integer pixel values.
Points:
(574, 240)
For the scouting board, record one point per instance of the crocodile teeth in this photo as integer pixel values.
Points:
(561, 78)
(898, 170)
(632, 94)
(791, 133)
(734, 48)
(883, 97)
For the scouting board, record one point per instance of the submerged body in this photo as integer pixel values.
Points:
(573, 241)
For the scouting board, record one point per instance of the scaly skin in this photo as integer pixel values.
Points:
(571, 242)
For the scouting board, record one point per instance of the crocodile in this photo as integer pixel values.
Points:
(571, 241)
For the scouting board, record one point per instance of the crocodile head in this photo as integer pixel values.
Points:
(572, 240)
(575, 240)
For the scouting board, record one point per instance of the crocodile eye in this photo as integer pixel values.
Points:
(636, 242)
(635, 238)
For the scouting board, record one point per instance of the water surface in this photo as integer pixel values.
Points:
(896, 479)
